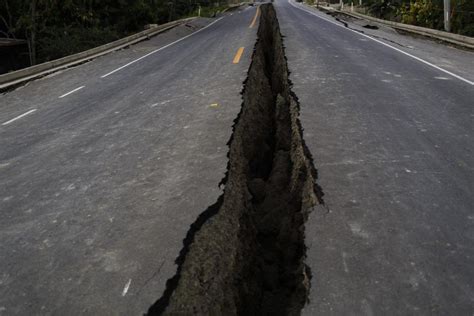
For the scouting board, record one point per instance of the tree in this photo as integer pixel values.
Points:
(55, 28)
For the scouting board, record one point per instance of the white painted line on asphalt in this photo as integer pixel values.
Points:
(127, 286)
(159, 49)
(385, 44)
(71, 92)
(19, 117)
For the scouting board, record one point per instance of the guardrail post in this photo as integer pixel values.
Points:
(447, 17)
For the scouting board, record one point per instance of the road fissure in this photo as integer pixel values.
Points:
(246, 253)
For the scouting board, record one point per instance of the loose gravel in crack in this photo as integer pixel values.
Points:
(245, 254)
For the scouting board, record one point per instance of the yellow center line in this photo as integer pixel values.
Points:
(255, 17)
(238, 55)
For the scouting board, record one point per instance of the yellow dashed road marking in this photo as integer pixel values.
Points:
(238, 55)
(255, 17)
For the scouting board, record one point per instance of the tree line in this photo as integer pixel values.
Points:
(426, 13)
(57, 28)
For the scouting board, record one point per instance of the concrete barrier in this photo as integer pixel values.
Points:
(17, 77)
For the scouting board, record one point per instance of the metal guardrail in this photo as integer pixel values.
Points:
(19, 76)
(236, 5)
(457, 39)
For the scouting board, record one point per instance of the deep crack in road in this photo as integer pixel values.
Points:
(245, 254)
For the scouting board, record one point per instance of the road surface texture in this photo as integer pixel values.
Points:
(107, 167)
(98, 187)
(392, 139)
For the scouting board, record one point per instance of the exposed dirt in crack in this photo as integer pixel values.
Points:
(245, 254)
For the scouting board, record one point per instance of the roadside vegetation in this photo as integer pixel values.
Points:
(426, 13)
(57, 28)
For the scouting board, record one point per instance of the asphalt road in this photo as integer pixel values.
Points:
(103, 168)
(99, 184)
(392, 138)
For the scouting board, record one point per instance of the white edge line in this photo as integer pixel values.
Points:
(19, 117)
(70, 92)
(387, 45)
(159, 49)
